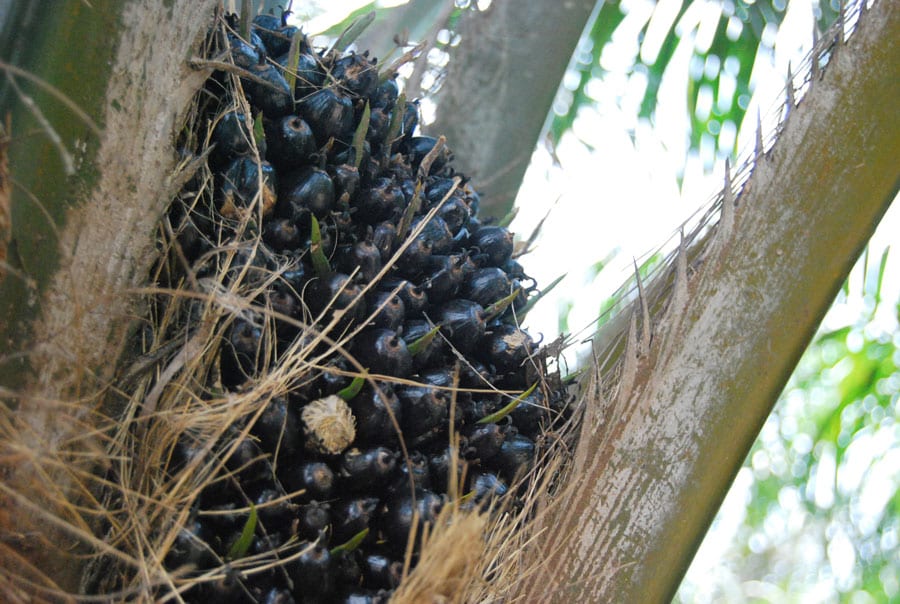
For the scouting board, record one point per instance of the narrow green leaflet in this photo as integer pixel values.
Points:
(353, 31)
(496, 417)
(290, 74)
(240, 547)
(535, 299)
(320, 263)
(353, 389)
(420, 344)
(359, 137)
(351, 544)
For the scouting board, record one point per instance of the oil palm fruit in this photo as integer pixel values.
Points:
(342, 230)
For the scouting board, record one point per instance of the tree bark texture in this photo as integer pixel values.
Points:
(499, 87)
(85, 204)
(665, 433)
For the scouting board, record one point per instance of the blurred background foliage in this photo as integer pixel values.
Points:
(814, 514)
(724, 40)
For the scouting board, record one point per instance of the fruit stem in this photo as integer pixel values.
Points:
(246, 18)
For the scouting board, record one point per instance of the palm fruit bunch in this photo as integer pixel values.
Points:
(353, 239)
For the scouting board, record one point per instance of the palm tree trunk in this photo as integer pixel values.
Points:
(90, 167)
(668, 424)
(501, 84)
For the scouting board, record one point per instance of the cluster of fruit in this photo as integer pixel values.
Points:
(360, 225)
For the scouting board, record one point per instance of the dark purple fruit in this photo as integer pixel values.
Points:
(456, 214)
(273, 509)
(419, 146)
(243, 54)
(373, 409)
(385, 96)
(242, 354)
(424, 408)
(308, 189)
(346, 182)
(368, 596)
(486, 286)
(495, 245)
(414, 299)
(531, 413)
(289, 141)
(270, 93)
(330, 115)
(486, 485)
(515, 457)
(380, 201)
(379, 124)
(381, 571)
(247, 461)
(356, 74)
(385, 238)
(410, 120)
(312, 519)
(278, 595)
(315, 478)
(440, 464)
(483, 441)
(462, 321)
(361, 470)
(436, 233)
(438, 188)
(335, 292)
(310, 74)
(263, 543)
(283, 301)
(192, 547)
(475, 374)
(275, 33)
(400, 514)
(239, 186)
(442, 377)
(281, 234)
(295, 277)
(444, 277)
(331, 380)
(231, 136)
(362, 257)
(353, 517)
(429, 352)
(312, 572)
(348, 569)
(278, 428)
(506, 347)
(414, 474)
(383, 352)
(413, 259)
(389, 308)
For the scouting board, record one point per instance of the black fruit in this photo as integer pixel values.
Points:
(462, 321)
(290, 141)
(306, 190)
(367, 255)
(239, 186)
(329, 113)
(382, 351)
